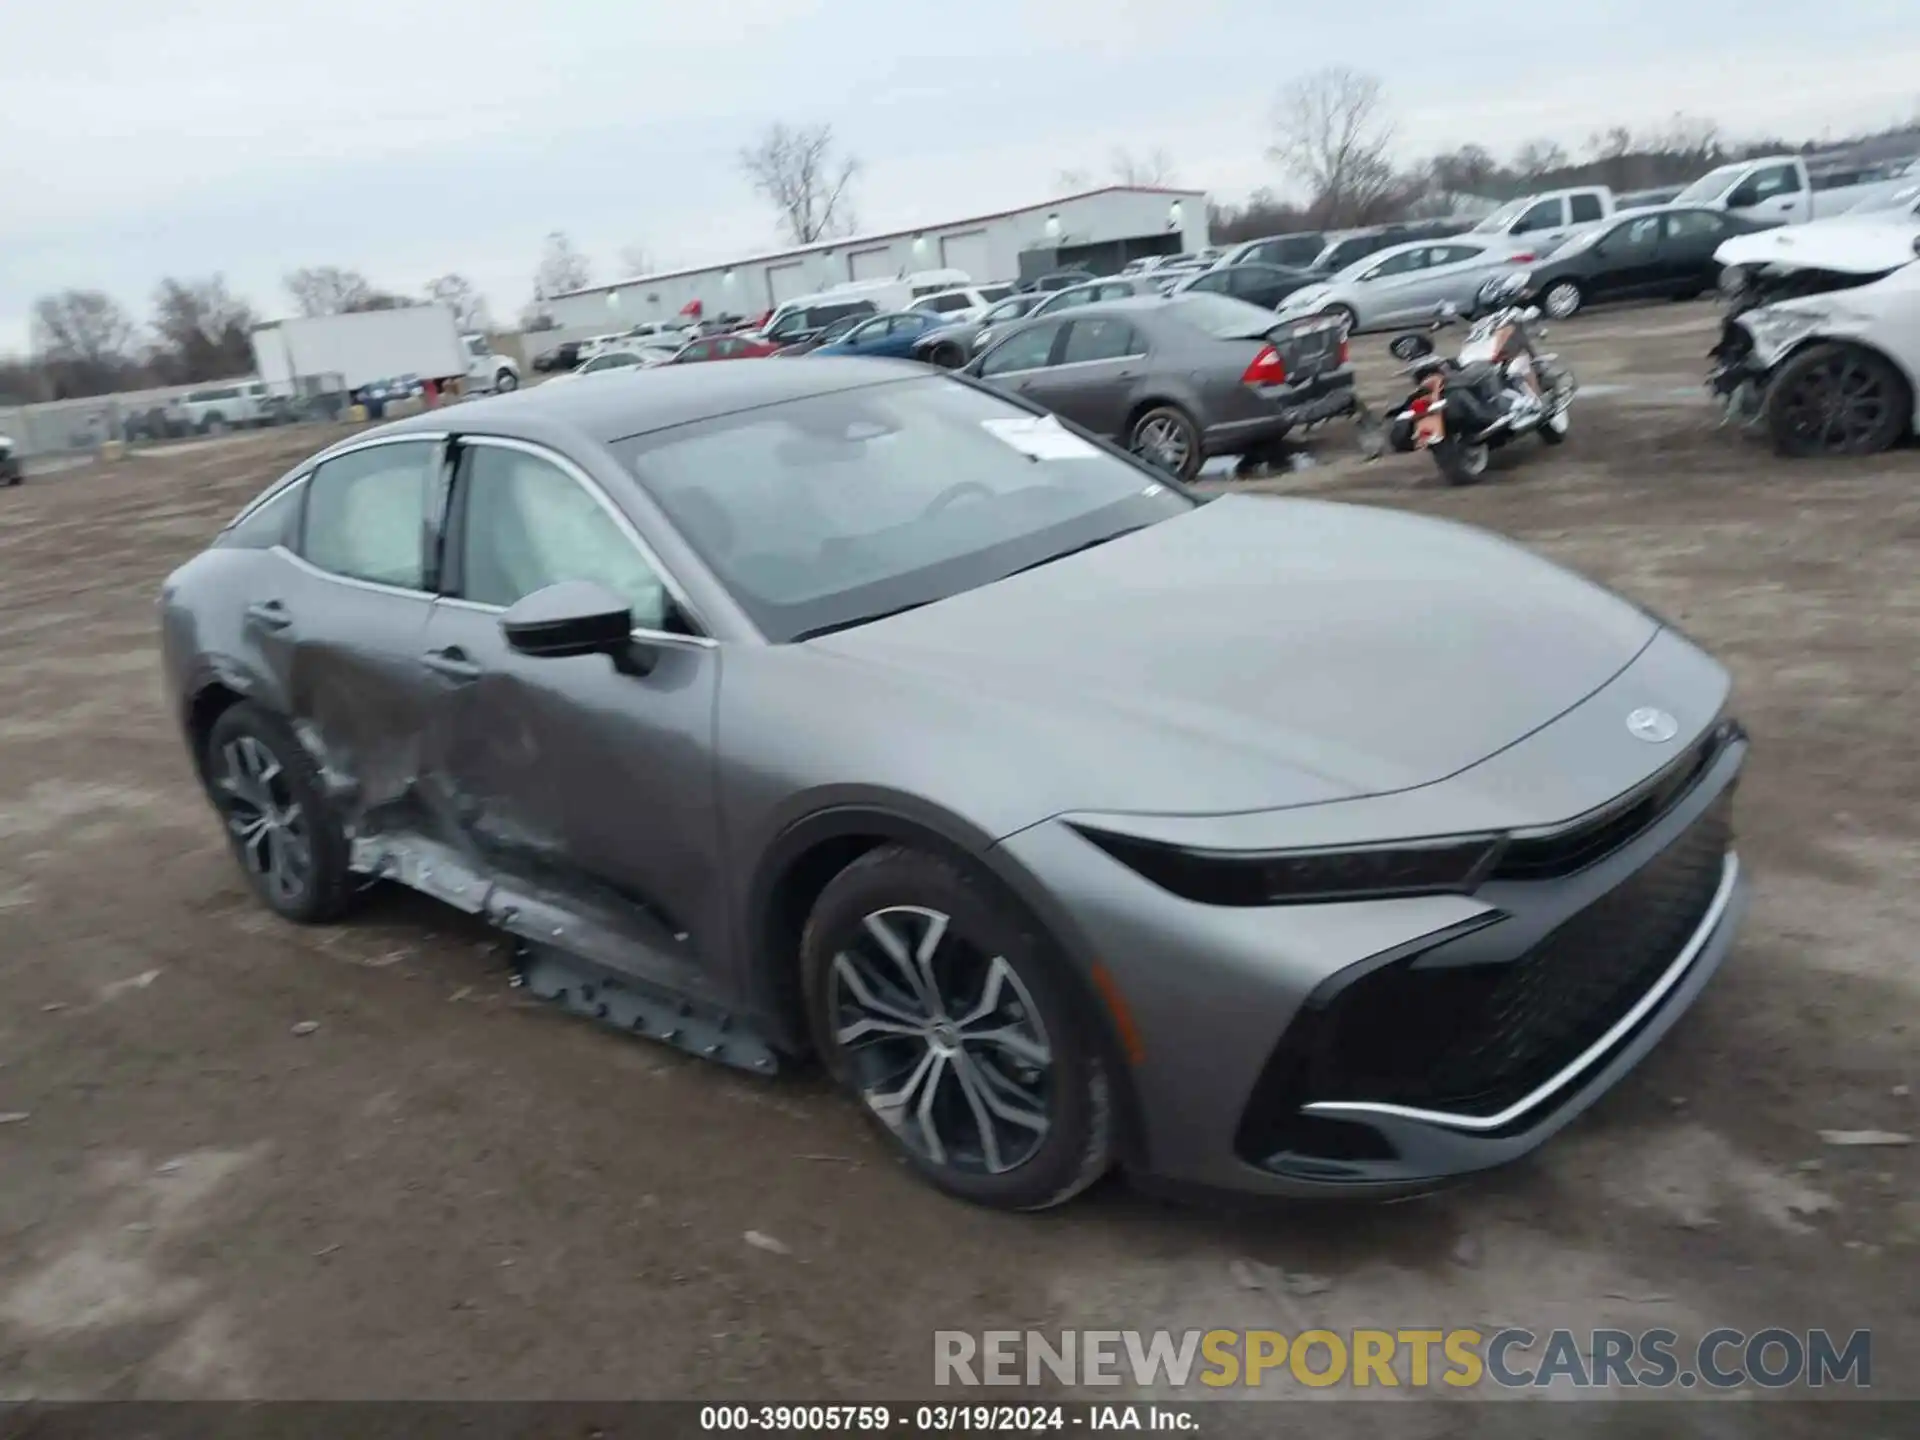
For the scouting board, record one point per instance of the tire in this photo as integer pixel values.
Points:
(1165, 435)
(1460, 463)
(215, 424)
(982, 950)
(506, 382)
(1562, 299)
(251, 754)
(1837, 400)
(948, 356)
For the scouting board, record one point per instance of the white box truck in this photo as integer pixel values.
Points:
(418, 341)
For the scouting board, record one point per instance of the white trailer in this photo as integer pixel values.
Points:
(419, 340)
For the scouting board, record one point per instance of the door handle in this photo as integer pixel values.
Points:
(269, 614)
(451, 662)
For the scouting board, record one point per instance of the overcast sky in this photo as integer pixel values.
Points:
(141, 140)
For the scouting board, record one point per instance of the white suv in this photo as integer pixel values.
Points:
(963, 302)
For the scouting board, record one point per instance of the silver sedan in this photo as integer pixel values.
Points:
(1404, 284)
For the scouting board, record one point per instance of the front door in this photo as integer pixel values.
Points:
(588, 787)
(1632, 264)
(340, 616)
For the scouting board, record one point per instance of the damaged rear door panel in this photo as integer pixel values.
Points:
(339, 624)
(583, 794)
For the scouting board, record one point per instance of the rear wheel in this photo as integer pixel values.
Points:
(1562, 299)
(1837, 400)
(1166, 436)
(506, 381)
(948, 356)
(283, 830)
(1460, 462)
(933, 1001)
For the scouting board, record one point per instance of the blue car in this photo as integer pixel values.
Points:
(892, 335)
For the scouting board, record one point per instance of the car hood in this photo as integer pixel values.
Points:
(1850, 244)
(1307, 296)
(1258, 653)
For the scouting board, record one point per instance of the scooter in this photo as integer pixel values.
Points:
(1499, 387)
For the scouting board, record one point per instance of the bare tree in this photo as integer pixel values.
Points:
(636, 259)
(329, 290)
(1151, 171)
(795, 168)
(202, 331)
(1073, 180)
(458, 294)
(1540, 157)
(562, 269)
(1332, 134)
(84, 340)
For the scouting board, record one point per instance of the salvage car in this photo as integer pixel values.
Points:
(1821, 342)
(1177, 381)
(951, 346)
(1662, 254)
(765, 736)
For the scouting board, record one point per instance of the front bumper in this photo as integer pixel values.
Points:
(1223, 1002)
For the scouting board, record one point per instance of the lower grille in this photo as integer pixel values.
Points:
(1474, 1038)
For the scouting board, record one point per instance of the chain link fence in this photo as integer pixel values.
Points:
(151, 417)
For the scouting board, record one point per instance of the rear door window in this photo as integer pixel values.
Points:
(1585, 209)
(1547, 215)
(1099, 337)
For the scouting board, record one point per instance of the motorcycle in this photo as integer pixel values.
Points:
(1499, 387)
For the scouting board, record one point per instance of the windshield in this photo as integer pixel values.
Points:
(1710, 186)
(1905, 198)
(1504, 216)
(827, 511)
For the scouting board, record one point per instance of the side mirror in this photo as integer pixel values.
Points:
(572, 619)
(1410, 347)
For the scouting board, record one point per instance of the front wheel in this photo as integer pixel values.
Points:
(933, 1002)
(1837, 400)
(1460, 462)
(948, 356)
(506, 382)
(1167, 437)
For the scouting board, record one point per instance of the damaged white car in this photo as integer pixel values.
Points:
(1821, 343)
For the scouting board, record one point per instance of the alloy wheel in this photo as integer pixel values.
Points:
(268, 826)
(1162, 439)
(1837, 405)
(1561, 300)
(943, 1041)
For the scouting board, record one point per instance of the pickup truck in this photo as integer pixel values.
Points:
(1777, 190)
(1544, 220)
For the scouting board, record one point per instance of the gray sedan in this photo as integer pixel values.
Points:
(848, 709)
(1177, 380)
(1404, 284)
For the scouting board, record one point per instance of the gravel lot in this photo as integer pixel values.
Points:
(447, 1190)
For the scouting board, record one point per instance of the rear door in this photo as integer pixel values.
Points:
(340, 620)
(1092, 373)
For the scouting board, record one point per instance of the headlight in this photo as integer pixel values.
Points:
(1449, 866)
(1774, 329)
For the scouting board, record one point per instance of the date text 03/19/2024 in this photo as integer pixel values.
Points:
(943, 1419)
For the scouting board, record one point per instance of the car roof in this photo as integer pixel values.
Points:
(645, 400)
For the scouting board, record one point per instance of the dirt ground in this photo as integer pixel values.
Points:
(448, 1190)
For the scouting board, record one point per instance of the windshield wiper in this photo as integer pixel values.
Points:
(1075, 550)
(858, 620)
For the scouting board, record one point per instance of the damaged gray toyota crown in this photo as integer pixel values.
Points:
(848, 710)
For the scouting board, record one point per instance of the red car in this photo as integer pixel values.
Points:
(722, 347)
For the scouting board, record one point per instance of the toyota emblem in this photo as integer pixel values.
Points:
(1656, 727)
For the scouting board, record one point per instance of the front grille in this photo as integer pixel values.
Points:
(1594, 837)
(1474, 1038)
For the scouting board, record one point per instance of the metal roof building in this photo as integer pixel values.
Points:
(1101, 228)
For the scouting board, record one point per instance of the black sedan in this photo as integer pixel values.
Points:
(1663, 253)
(1257, 284)
(1179, 380)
